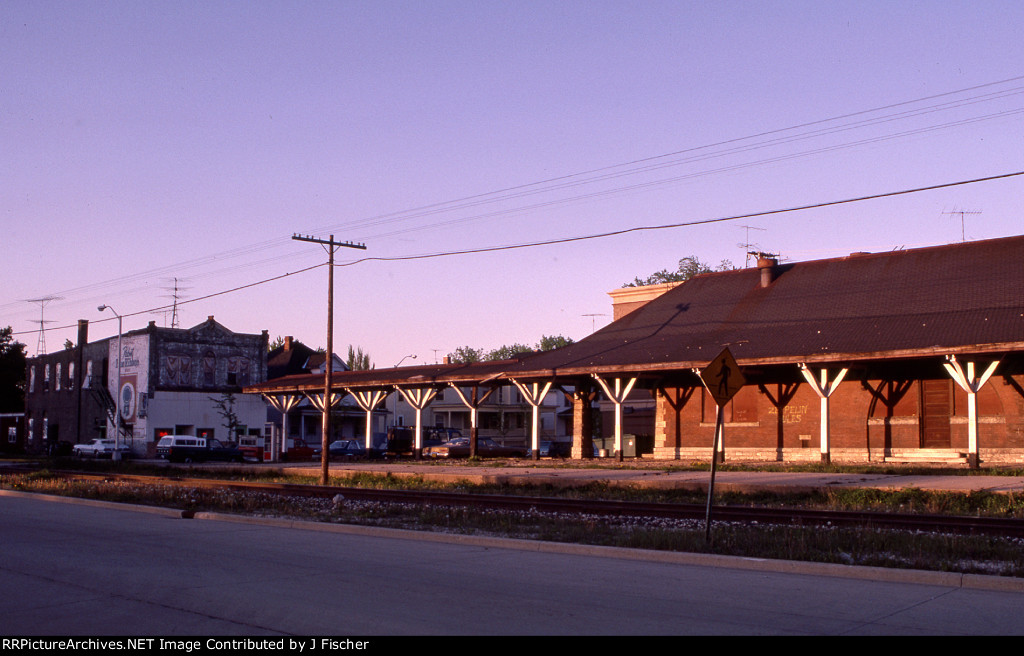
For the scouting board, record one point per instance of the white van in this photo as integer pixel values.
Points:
(189, 448)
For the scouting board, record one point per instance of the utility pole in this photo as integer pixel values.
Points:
(330, 246)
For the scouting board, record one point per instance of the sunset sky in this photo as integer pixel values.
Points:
(143, 143)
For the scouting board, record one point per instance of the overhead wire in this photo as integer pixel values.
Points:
(749, 143)
(566, 240)
(665, 226)
(608, 173)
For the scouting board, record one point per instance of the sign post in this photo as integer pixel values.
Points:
(722, 378)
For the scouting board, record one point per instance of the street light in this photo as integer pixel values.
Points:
(117, 398)
(394, 415)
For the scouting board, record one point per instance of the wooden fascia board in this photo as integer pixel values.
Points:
(651, 370)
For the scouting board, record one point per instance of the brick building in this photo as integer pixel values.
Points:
(60, 398)
(904, 354)
(889, 347)
(169, 379)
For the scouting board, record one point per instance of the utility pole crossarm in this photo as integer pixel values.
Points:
(328, 242)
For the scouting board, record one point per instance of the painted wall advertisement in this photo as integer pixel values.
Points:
(129, 375)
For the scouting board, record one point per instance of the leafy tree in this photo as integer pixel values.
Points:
(508, 351)
(276, 344)
(465, 355)
(468, 354)
(12, 372)
(688, 268)
(357, 360)
(226, 409)
(551, 342)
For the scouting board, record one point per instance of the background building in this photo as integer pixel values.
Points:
(169, 380)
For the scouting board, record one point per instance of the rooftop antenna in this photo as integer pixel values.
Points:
(175, 292)
(963, 231)
(747, 246)
(593, 327)
(41, 344)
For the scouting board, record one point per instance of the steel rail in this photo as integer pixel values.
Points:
(1006, 527)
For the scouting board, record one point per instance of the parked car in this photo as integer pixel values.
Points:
(346, 449)
(485, 448)
(298, 450)
(401, 439)
(100, 448)
(189, 448)
(553, 449)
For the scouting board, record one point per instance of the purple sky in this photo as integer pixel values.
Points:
(146, 141)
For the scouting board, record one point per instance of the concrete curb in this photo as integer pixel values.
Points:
(881, 574)
(96, 503)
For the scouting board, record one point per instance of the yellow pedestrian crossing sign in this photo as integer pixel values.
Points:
(723, 377)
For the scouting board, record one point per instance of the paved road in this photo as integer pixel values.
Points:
(90, 569)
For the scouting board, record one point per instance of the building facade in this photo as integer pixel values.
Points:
(161, 380)
(907, 354)
(61, 402)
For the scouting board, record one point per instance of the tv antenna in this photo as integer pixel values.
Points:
(593, 326)
(962, 213)
(43, 302)
(174, 292)
(748, 246)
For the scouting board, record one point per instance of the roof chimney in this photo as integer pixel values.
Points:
(766, 265)
(83, 332)
(288, 343)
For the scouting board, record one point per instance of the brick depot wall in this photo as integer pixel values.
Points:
(868, 420)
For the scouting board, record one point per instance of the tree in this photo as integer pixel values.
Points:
(468, 354)
(357, 360)
(688, 268)
(465, 355)
(12, 372)
(508, 352)
(551, 342)
(226, 409)
(276, 344)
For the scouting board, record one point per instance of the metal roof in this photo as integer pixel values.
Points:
(965, 297)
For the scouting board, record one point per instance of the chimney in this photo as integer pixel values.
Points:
(766, 265)
(446, 360)
(288, 343)
(83, 332)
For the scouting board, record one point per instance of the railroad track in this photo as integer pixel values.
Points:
(1006, 527)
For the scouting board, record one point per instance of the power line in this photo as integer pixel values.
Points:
(601, 235)
(665, 226)
(768, 138)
